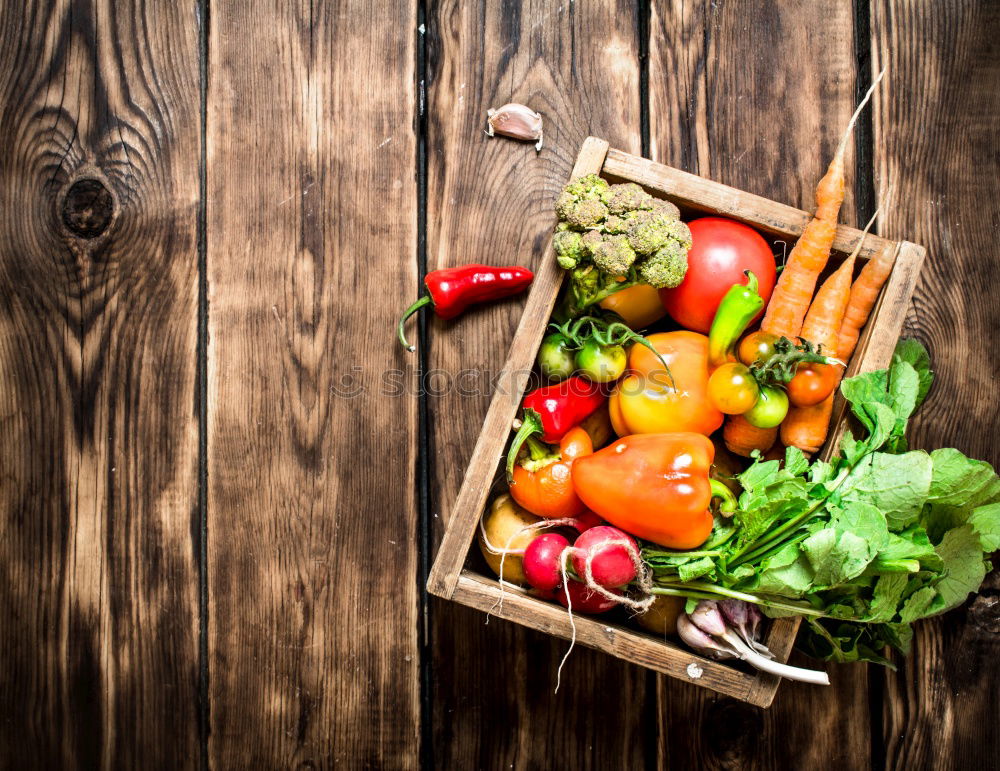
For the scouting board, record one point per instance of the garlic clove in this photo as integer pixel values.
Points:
(517, 122)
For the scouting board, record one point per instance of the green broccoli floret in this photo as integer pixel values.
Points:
(666, 268)
(591, 240)
(581, 203)
(662, 206)
(627, 197)
(681, 233)
(586, 214)
(650, 232)
(568, 245)
(613, 255)
(587, 186)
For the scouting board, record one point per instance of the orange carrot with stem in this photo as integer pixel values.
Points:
(864, 295)
(794, 290)
(807, 427)
(826, 313)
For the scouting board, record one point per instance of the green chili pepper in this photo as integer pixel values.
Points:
(738, 308)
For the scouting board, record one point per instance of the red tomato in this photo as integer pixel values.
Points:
(721, 250)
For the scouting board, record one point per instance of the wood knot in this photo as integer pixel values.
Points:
(88, 208)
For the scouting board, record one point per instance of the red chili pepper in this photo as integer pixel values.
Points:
(553, 410)
(452, 290)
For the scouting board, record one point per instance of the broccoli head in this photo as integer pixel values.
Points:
(613, 255)
(666, 268)
(568, 246)
(627, 197)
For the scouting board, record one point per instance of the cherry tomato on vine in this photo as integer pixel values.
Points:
(732, 388)
(770, 408)
(812, 383)
(556, 357)
(757, 346)
(601, 363)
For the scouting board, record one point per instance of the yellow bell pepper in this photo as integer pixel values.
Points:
(639, 305)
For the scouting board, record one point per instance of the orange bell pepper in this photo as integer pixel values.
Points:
(654, 486)
(543, 483)
(649, 401)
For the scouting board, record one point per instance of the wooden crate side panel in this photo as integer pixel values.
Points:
(484, 593)
(716, 198)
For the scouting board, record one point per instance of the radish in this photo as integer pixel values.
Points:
(587, 520)
(583, 599)
(541, 561)
(611, 562)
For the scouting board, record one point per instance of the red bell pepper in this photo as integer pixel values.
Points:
(553, 410)
(452, 290)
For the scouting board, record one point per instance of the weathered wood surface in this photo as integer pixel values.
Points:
(312, 210)
(310, 615)
(936, 163)
(99, 154)
(752, 95)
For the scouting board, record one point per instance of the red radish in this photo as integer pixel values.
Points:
(587, 520)
(541, 561)
(584, 600)
(611, 565)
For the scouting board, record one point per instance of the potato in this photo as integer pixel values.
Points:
(503, 519)
(661, 618)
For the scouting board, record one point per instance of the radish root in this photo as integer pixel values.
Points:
(569, 609)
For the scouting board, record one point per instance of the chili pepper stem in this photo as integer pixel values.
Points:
(530, 425)
(719, 490)
(425, 300)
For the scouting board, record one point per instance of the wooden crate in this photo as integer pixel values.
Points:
(450, 577)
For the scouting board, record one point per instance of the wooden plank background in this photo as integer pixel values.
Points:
(220, 480)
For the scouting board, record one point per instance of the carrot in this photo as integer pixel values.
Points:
(826, 313)
(807, 427)
(864, 294)
(742, 438)
(794, 290)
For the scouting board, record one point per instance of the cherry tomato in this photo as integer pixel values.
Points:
(555, 357)
(732, 388)
(812, 383)
(770, 408)
(601, 363)
(757, 346)
(721, 250)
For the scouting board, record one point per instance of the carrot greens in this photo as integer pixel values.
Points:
(862, 545)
